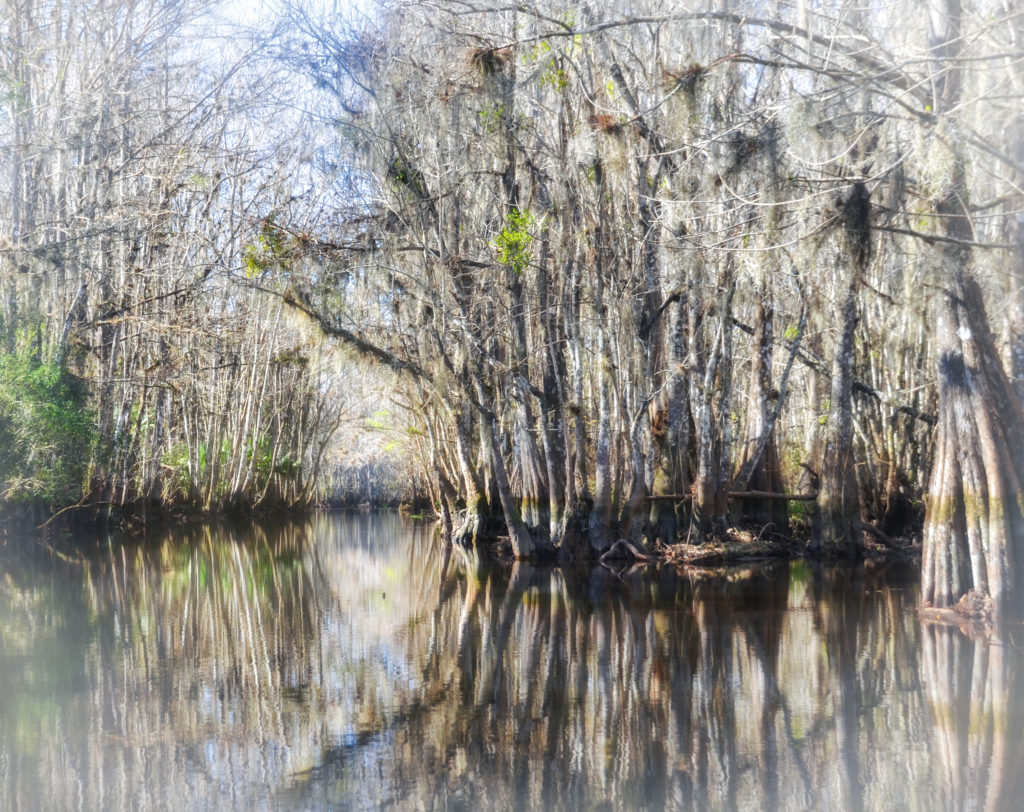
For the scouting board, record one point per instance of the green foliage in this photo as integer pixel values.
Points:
(271, 249)
(491, 117)
(408, 176)
(199, 181)
(512, 245)
(175, 460)
(800, 511)
(552, 74)
(46, 429)
(261, 454)
(380, 419)
(554, 77)
(533, 55)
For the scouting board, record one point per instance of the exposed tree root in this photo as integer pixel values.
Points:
(622, 550)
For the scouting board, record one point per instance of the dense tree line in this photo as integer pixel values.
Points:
(643, 268)
(639, 270)
(140, 173)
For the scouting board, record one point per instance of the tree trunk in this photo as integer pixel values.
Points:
(974, 524)
(974, 515)
(760, 469)
(670, 433)
(711, 419)
(534, 501)
(601, 512)
(838, 531)
(518, 533)
(478, 513)
(1015, 272)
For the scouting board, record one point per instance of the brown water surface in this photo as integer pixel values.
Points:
(352, 662)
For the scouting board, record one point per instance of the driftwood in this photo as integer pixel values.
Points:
(729, 553)
(789, 497)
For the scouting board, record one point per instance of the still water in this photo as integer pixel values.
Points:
(352, 662)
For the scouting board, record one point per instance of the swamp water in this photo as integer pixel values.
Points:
(349, 662)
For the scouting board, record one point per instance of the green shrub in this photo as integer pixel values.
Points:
(46, 430)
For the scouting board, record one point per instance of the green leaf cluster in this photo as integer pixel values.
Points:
(491, 117)
(272, 248)
(512, 245)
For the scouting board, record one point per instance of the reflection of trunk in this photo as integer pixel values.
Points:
(764, 629)
(839, 605)
(493, 665)
(465, 651)
(716, 758)
(970, 686)
(555, 705)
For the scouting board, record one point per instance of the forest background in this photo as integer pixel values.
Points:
(589, 272)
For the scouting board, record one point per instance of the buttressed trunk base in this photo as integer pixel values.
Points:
(974, 528)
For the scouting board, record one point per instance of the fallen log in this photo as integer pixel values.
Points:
(789, 497)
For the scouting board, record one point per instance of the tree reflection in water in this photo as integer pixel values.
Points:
(974, 690)
(357, 662)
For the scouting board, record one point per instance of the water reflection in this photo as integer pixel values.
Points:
(355, 662)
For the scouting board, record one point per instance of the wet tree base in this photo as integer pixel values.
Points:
(744, 543)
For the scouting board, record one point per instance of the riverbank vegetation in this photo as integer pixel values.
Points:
(140, 173)
(633, 272)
